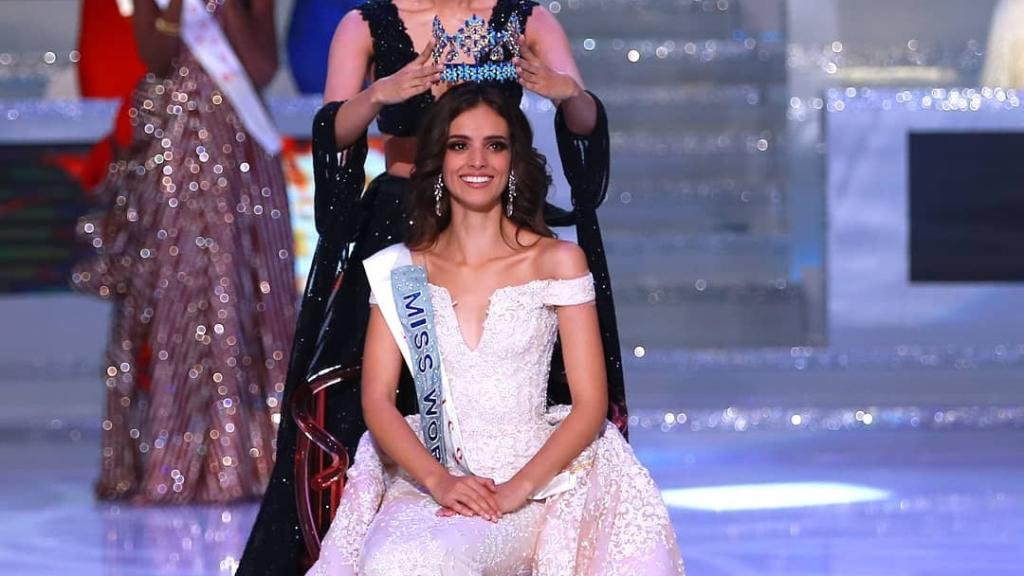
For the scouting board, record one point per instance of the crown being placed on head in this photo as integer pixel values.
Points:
(491, 51)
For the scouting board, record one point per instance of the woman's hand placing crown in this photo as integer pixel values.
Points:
(414, 78)
(539, 78)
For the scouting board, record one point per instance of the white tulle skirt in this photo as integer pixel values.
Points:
(612, 522)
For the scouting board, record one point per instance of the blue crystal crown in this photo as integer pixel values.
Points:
(490, 50)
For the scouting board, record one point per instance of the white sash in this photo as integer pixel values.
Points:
(378, 274)
(204, 37)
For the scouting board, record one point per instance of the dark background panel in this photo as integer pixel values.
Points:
(967, 207)
(40, 202)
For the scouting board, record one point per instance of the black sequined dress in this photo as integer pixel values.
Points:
(353, 225)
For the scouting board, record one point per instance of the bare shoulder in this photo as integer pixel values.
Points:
(349, 57)
(541, 20)
(541, 24)
(561, 260)
(353, 27)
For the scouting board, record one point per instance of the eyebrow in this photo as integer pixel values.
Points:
(486, 138)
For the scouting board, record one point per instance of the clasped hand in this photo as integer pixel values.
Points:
(476, 496)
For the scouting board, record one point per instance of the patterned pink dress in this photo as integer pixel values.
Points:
(611, 522)
(195, 252)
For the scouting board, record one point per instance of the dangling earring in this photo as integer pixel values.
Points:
(438, 192)
(511, 193)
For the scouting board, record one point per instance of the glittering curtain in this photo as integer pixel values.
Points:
(332, 320)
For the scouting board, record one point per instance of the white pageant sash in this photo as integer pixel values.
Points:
(378, 273)
(204, 37)
(416, 310)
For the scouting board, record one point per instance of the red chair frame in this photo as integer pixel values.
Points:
(321, 460)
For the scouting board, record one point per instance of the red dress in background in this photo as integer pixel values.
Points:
(110, 67)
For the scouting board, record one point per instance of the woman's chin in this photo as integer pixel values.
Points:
(481, 204)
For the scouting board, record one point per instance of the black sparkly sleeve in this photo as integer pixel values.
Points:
(339, 178)
(585, 161)
(338, 175)
(525, 9)
(504, 9)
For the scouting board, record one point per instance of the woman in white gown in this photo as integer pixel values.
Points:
(504, 485)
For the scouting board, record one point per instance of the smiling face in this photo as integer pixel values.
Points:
(478, 156)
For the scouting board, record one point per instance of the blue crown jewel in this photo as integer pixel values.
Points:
(490, 50)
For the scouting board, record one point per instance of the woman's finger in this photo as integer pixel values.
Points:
(418, 87)
(473, 503)
(485, 495)
(489, 483)
(425, 55)
(529, 65)
(530, 58)
(479, 504)
(529, 76)
(524, 48)
(462, 509)
(477, 495)
(427, 70)
(485, 482)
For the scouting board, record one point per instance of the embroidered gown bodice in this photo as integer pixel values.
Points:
(607, 520)
(499, 388)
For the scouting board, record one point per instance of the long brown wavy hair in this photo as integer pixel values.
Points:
(529, 165)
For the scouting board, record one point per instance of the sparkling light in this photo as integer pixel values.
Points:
(771, 496)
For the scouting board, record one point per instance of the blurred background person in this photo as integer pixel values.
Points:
(1004, 59)
(195, 252)
(310, 30)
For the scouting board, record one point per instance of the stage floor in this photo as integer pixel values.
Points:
(867, 502)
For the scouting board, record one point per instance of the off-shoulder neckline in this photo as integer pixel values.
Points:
(490, 305)
(519, 285)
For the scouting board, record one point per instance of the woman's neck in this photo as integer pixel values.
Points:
(476, 237)
(455, 5)
(458, 6)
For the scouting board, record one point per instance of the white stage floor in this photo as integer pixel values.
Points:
(781, 503)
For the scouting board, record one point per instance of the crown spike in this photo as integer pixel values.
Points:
(489, 50)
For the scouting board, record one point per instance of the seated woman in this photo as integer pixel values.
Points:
(487, 479)
(376, 75)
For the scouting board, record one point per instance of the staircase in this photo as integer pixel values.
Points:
(696, 221)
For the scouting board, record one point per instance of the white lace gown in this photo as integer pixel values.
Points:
(612, 522)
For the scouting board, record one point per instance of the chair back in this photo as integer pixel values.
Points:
(321, 460)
